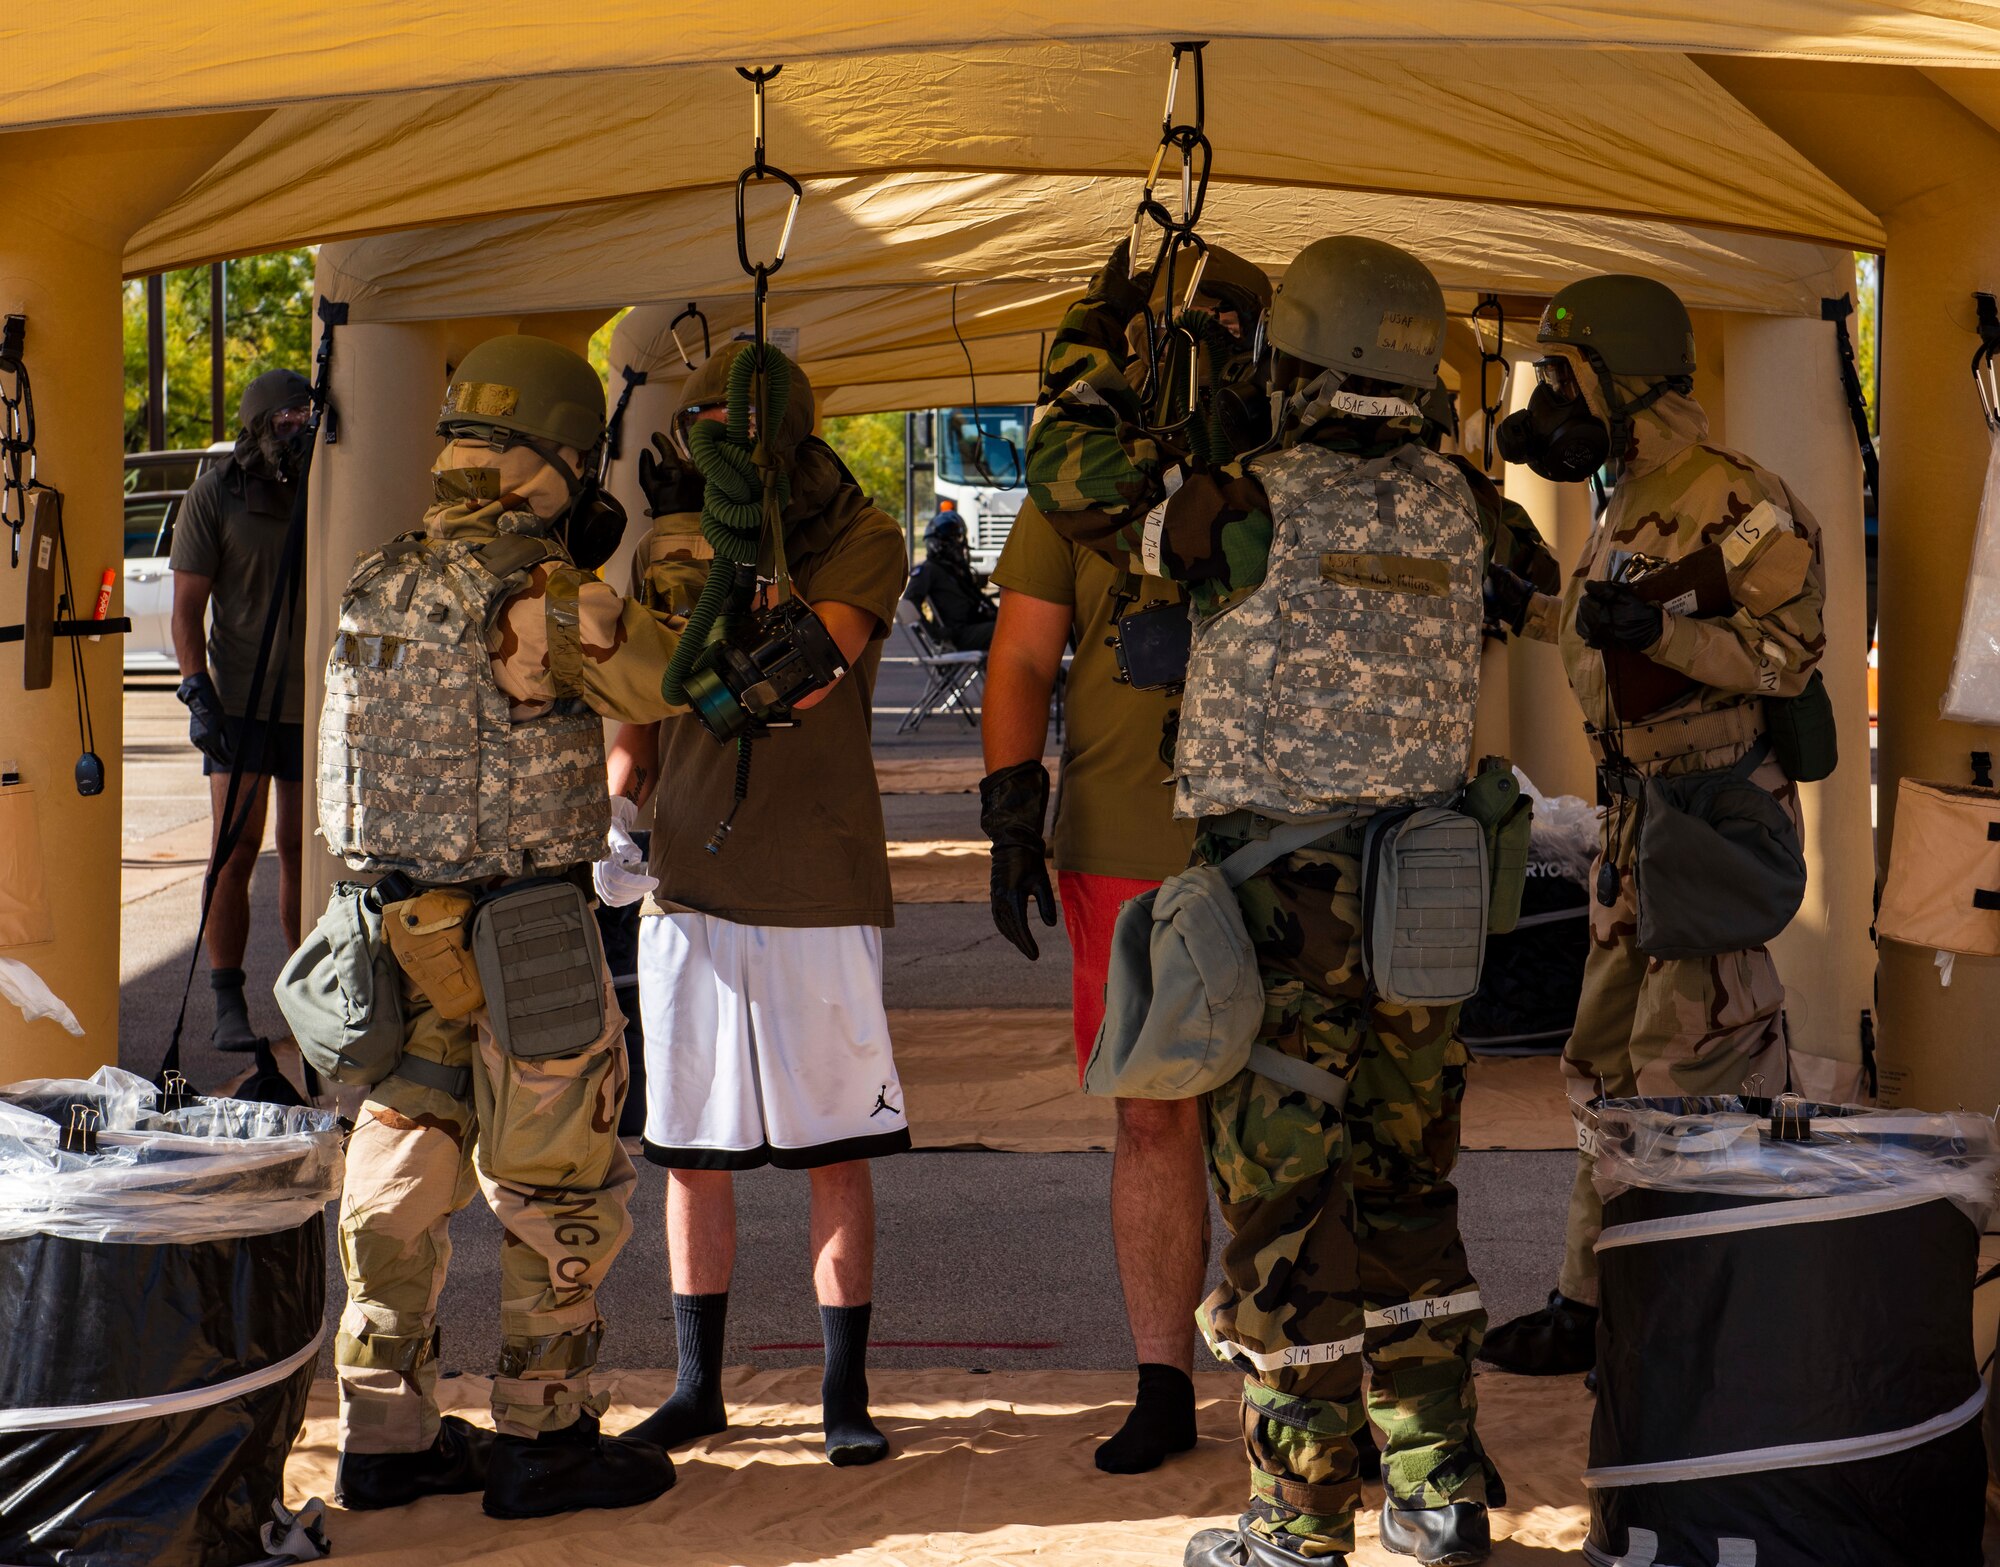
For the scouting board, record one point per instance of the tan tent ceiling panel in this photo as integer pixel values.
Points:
(1664, 139)
(102, 59)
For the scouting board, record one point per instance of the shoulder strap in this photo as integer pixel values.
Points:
(1752, 759)
(1301, 1076)
(1253, 857)
(509, 554)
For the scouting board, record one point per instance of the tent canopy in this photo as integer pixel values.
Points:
(100, 59)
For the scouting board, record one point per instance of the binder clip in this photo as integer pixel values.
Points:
(174, 1093)
(1790, 1122)
(80, 1136)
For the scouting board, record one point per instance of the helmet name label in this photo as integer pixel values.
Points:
(1406, 332)
(481, 399)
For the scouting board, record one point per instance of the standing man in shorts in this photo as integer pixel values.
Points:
(229, 542)
(1115, 837)
(760, 966)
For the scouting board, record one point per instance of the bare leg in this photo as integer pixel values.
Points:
(843, 1246)
(701, 1255)
(229, 914)
(1159, 1229)
(291, 801)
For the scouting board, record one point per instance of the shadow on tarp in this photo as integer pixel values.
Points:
(988, 1469)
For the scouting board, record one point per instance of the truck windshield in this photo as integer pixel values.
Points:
(982, 446)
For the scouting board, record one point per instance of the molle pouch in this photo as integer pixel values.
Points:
(537, 949)
(1495, 800)
(1425, 889)
(1803, 737)
(431, 935)
(1152, 646)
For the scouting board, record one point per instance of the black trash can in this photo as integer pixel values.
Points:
(165, 1298)
(1533, 978)
(1786, 1374)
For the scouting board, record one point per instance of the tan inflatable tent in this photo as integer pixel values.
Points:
(507, 165)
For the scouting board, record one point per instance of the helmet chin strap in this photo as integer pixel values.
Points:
(1325, 395)
(1621, 413)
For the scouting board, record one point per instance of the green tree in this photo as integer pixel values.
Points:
(267, 325)
(1868, 332)
(872, 445)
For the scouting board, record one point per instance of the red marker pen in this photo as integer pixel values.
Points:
(103, 610)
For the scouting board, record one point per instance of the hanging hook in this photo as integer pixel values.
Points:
(1488, 358)
(673, 331)
(1985, 376)
(761, 272)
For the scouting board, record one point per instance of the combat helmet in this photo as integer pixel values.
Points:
(1360, 307)
(1630, 325)
(524, 388)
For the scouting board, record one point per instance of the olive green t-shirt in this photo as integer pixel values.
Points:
(808, 847)
(1114, 807)
(231, 528)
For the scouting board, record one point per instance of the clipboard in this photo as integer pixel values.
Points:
(1697, 584)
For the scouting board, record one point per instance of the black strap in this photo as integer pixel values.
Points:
(455, 1081)
(1837, 311)
(291, 579)
(614, 428)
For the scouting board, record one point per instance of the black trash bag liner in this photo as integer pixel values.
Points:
(1848, 1321)
(188, 1478)
(1533, 978)
(618, 931)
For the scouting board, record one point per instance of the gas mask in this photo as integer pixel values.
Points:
(284, 441)
(1557, 435)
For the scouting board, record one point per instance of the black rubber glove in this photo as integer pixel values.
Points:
(1012, 803)
(671, 486)
(1508, 595)
(208, 725)
(1612, 615)
(1115, 285)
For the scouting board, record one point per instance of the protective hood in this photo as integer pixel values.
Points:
(1655, 434)
(472, 479)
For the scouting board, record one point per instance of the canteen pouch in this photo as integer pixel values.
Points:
(1943, 889)
(1803, 737)
(1425, 886)
(1719, 867)
(1183, 998)
(342, 994)
(1504, 811)
(431, 936)
(542, 969)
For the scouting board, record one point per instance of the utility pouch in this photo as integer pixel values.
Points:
(1495, 801)
(341, 992)
(1425, 889)
(431, 935)
(1803, 738)
(1943, 887)
(1183, 997)
(542, 969)
(1152, 646)
(1719, 866)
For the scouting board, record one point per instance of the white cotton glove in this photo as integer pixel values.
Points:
(620, 877)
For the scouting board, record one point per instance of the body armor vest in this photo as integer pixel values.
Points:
(421, 768)
(1349, 675)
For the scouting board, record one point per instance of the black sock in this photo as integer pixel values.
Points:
(696, 1409)
(1161, 1422)
(851, 1437)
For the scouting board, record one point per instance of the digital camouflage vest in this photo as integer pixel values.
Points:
(1349, 675)
(421, 767)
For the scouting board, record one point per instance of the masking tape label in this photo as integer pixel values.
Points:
(1388, 573)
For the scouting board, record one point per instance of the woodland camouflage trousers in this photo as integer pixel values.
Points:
(1344, 1247)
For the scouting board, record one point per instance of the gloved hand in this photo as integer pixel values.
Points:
(208, 724)
(1612, 615)
(620, 877)
(671, 485)
(1012, 803)
(1115, 285)
(1508, 596)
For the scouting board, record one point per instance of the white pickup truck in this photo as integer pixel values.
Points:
(155, 482)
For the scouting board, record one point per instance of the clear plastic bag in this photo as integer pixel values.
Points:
(1723, 1145)
(1567, 832)
(216, 1169)
(1972, 695)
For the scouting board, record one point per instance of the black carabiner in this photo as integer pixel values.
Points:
(673, 331)
(1497, 355)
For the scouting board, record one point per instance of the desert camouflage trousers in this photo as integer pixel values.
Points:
(1344, 1248)
(1659, 1027)
(540, 1140)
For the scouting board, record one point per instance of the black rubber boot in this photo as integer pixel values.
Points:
(573, 1469)
(1454, 1536)
(454, 1463)
(1240, 1547)
(1560, 1340)
(233, 1033)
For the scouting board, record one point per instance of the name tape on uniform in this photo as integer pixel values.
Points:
(1388, 573)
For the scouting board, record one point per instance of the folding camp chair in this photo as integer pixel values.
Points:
(948, 673)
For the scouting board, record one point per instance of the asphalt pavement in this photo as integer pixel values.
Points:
(985, 1259)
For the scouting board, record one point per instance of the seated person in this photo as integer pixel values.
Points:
(954, 592)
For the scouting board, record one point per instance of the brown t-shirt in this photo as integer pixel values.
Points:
(1115, 808)
(808, 847)
(231, 528)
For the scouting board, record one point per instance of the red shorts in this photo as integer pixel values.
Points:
(1090, 908)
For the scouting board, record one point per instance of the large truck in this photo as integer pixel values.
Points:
(977, 458)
